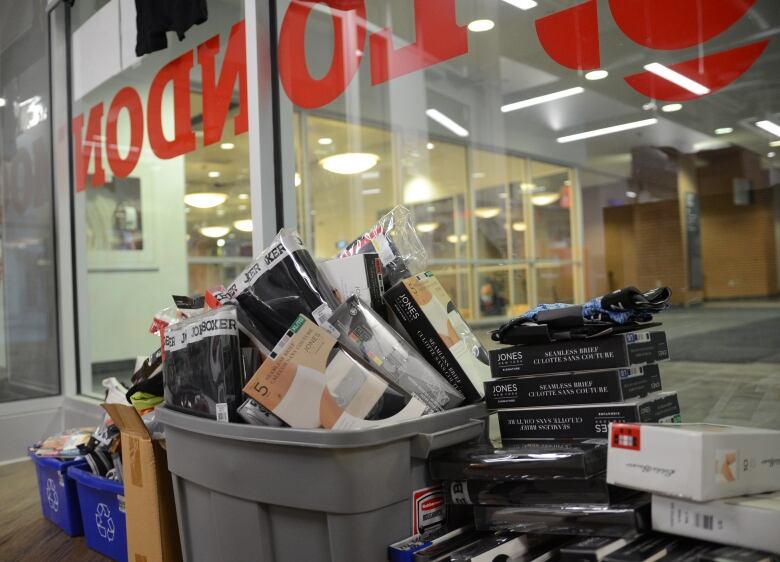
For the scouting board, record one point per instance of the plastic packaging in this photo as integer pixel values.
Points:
(592, 491)
(522, 460)
(255, 414)
(363, 332)
(395, 239)
(280, 284)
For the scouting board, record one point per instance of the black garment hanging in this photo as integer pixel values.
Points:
(156, 17)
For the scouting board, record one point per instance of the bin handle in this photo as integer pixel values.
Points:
(424, 443)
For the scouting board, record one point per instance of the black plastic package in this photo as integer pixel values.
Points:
(203, 368)
(593, 491)
(364, 333)
(521, 460)
(280, 284)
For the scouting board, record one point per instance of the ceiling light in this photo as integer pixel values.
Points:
(771, 155)
(542, 199)
(541, 99)
(478, 26)
(670, 107)
(214, 231)
(774, 144)
(478, 175)
(418, 190)
(214, 174)
(227, 146)
(221, 242)
(676, 78)
(487, 212)
(325, 141)
(371, 191)
(2, 102)
(244, 225)
(446, 122)
(243, 196)
(724, 131)
(519, 226)
(454, 238)
(769, 127)
(349, 163)
(608, 130)
(596, 75)
(430, 146)
(204, 200)
(297, 179)
(427, 226)
(631, 194)
(522, 4)
(370, 175)
(242, 207)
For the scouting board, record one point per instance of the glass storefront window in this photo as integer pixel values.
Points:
(161, 176)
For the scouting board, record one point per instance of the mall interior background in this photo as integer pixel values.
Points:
(510, 217)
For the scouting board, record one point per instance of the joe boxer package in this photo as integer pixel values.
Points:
(586, 421)
(203, 368)
(280, 284)
(307, 381)
(370, 338)
(611, 352)
(435, 326)
(590, 387)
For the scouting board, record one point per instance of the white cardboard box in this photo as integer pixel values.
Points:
(747, 521)
(695, 461)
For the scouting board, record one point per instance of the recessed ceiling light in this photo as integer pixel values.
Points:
(349, 163)
(214, 174)
(227, 146)
(430, 146)
(325, 141)
(446, 122)
(607, 130)
(243, 196)
(242, 207)
(596, 74)
(427, 227)
(676, 78)
(771, 155)
(774, 144)
(478, 26)
(631, 194)
(522, 4)
(724, 131)
(769, 127)
(541, 99)
(519, 226)
(670, 107)
(2, 102)
(487, 212)
(542, 199)
(454, 238)
(478, 175)
(244, 225)
(371, 191)
(221, 242)
(204, 200)
(214, 231)
(297, 179)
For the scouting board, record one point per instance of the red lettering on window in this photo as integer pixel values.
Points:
(439, 38)
(92, 144)
(571, 37)
(178, 72)
(126, 98)
(349, 35)
(218, 94)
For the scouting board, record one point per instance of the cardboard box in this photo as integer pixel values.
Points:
(696, 461)
(436, 328)
(592, 387)
(359, 275)
(748, 521)
(585, 421)
(612, 352)
(152, 530)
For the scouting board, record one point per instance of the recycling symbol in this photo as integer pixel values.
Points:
(51, 495)
(104, 522)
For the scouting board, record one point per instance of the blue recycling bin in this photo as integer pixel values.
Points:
(102, 503)
(59, 498)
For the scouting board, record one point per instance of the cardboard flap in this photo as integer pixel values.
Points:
(127, 420)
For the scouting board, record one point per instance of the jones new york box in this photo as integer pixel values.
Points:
(585, 421)
(591, 387)
(612, 352)
(748, 521)
(696, 461)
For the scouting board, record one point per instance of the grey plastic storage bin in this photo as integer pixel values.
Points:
(287, 495)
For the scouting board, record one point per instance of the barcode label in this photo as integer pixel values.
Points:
(706, 522)
(222, 412)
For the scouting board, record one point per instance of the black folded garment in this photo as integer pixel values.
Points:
(528, 460)
(625, 310)
(280, 284)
